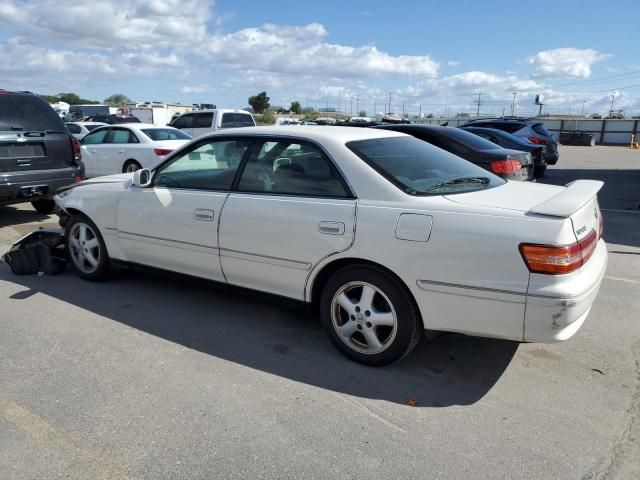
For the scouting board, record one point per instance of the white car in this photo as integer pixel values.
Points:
(80, 129)
(201, 122)
(128, 147)
(385, 234)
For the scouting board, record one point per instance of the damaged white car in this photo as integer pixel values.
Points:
(385, 234)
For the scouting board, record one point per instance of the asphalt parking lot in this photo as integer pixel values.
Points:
(158, 376)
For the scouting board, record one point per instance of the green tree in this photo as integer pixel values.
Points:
(259, 102)
(362, 113)
(295, 108)
(72, 99)
(117, 100)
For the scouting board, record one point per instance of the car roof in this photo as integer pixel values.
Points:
(223, 110)
(311, 132)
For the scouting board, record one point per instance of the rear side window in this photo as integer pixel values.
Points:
(540, 130)
(122, 136)
(203, 120)
(231, 120)
(73, 128)
(158, 134)
(28, 112)
(509, 127)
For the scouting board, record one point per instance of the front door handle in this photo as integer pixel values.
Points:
(203, 214)
(331, 228)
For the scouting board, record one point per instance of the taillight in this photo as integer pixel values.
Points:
(554, 260)
(506, 166)
(162, 151)
(75, 147)
(537, 141)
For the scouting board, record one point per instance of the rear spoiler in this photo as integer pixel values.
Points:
(576, 195)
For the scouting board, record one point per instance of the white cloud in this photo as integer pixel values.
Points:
(565, 62)
(302, 51)
(453, 63)
(111, 24)
(194, 89)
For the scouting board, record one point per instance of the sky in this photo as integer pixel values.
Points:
(428, 56)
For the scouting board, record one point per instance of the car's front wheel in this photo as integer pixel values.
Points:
(44, 206)
(86, 248)
(369, 315)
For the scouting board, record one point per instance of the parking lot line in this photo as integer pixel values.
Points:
(615, 210)
(83, 460)
(622, 279)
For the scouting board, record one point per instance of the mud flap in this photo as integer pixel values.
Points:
(39, 251)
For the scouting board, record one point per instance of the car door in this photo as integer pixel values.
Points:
(185, 123)
(291, 209)
(174, 223)
(202, 123)
(120, 144)
(92, 151)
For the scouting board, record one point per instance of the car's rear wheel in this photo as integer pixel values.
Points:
(86, 248)
(369, 315)
(131, 166)
(44, 206)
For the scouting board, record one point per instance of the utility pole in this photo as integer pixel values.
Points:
(513, 104)
(611, 109)
(582, 111)
(478, 102)
(339, 97)
(389, 109)
(351, 105)
(375, 107)
(357, 104)
(419, 110)
(403, 109)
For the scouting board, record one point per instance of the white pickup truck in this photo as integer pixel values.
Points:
(200, 122)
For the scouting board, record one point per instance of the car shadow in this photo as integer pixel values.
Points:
(10, 216)
(277, 336)
(619, 199)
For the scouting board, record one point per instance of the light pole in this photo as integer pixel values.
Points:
(389, 110)
(513, 104)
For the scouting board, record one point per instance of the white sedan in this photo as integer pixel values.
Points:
(385, 234)
(80, 129)
(128, 147)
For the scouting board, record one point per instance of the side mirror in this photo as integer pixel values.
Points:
(142, 178)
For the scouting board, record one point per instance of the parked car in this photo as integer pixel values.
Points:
(113, 119)
(508, 164)
(80, 129)
(201, 122)
(128, 147)
(385, 234)
(507, 140)
(532, 130)
(37, 153)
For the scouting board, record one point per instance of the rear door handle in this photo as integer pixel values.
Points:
(331, 228)
(203, 214)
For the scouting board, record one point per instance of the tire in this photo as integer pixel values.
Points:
(131, 166)
(87, 251)
(44, 206)
(538, 172)
(369, 315)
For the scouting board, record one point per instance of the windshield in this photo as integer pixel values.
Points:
(418, 168)
(158, 134)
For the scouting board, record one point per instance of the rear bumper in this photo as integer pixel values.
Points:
(556, 312)
(16, 187)
(551, 158)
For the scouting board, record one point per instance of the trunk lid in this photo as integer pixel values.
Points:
(34, 150)
(577, 201)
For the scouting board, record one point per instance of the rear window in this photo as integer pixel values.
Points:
(231, 120)
(158, 134)
(540, 130)
(509, 127)
(73, 128)
(418, 168)
(468, 139)
(28, 112)
(203, 120)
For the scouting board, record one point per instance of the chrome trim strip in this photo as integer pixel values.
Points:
(423, 283)
(285, 262)
(167, 240)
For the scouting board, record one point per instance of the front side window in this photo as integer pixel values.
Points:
(293, 168)
(209, 166)
(95, 138)
(185, 121)
(418, 168)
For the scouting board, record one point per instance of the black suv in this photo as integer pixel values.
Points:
(525, 128)
(38, 155)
